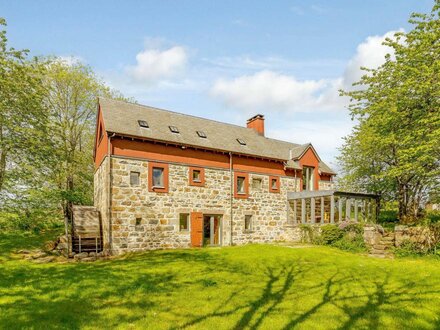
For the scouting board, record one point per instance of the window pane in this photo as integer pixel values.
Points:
(184, 221)
(256, 183)
(134, 178)
(158, 177)
(274, 184)
(240, 185)
(248, 222)
(307, 178)
(196, 175)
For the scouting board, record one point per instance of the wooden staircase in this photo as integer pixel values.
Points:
(86, 229)
(382, 248)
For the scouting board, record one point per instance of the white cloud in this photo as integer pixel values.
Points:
(270, 90)
(369, 54)
(154, 65)
(267, 90)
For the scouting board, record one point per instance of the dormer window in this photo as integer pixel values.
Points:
(201, 134)
(242, 142)
(174, 129)
(143, 123)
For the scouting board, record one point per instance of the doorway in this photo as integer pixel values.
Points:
(211, 230)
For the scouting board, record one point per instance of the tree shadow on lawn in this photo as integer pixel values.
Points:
(254, 312)
(377, 300)
(364, 308)
(73, 295)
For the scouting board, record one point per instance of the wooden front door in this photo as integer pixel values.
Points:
(197, 229)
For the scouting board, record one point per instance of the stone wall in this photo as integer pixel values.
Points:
(326, 185)
(101, 198)
(143, 220)
(422, 236)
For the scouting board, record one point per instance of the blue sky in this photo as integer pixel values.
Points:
(225, 60)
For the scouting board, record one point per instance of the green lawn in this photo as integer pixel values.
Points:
(255, 286)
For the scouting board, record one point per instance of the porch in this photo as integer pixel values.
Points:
(330, 206)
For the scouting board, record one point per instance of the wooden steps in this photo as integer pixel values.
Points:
(86, 229)
(91, 244)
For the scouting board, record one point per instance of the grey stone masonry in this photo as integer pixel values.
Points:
(144, 220)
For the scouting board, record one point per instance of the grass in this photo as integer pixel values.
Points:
(254, 286)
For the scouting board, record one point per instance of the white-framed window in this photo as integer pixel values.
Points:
(183, 222)
(308, 177)
(158, 178)
(248, 222)
(134, 178)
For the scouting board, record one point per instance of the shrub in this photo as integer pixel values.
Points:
(408, 249)
(351, 243)
(388, 217)
(308, 234)
(433, 217)
(330, 234)
(351, 227)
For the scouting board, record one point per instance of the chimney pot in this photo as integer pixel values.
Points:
(257, 124)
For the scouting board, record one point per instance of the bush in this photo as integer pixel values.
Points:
(308, 234)
(408, 249)
(330, 234)
(388, 217)
(34, 221)
(347, 236)
(433, 217)
(351, 243)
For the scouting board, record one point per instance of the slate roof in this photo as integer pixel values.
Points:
(122, 118)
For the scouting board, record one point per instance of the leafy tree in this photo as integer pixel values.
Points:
(394, 149)
(22, 115)
(71, 100)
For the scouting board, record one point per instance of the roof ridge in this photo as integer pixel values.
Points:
(178, 113)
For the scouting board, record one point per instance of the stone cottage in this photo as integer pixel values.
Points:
(168, 180)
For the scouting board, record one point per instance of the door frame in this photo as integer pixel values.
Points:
(211, 227)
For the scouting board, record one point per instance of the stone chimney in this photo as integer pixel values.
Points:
(256, 123)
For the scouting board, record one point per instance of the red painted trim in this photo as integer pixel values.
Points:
(200, 183)
(246, 185)
(192, 157)
(165, 188)
(101, 144)
(309, 159)
(277, 189)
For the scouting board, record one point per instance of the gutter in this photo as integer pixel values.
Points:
(109, 214)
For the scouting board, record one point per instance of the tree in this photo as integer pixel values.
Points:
(395, 147)
(22, 115)
(71, 100)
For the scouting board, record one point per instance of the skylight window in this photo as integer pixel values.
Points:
(242, 142)
(143, 123)
(174, 129)
(201, 134)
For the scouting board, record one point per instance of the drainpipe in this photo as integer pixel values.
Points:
(110, 234)
(231, 191)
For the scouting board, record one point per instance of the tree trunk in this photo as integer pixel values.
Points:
(68, 205)
(2, 168)
(403, 204)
